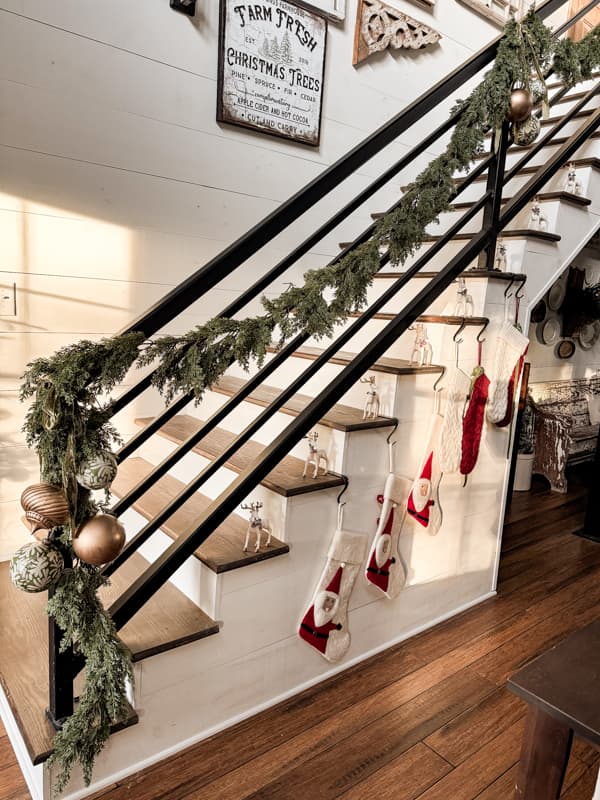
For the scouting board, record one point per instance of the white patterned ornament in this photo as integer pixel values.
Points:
(98, 472)
(526, 132)
(36, 567)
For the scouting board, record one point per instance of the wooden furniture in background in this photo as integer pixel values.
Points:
(561, 688)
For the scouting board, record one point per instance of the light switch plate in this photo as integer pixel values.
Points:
(8, 301)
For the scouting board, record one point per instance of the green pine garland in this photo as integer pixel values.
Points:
(66, 423)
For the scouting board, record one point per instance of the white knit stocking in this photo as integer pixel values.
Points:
(510, 346)
(450, 448)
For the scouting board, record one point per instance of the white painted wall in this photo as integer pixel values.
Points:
(116, 181)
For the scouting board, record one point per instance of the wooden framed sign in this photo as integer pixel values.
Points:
(271, 67)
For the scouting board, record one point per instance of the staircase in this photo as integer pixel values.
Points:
(213, 628)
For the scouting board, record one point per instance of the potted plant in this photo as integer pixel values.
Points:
(525, 449)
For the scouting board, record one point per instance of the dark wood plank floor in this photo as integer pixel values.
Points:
(428, 719)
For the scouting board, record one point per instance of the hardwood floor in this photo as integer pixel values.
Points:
(428, 719)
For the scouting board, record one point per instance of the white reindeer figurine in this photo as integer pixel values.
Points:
(573, 186)
(315, 456)
(500, 259)
(464, 301)
(257, 524)
(422, 351)
(537, 220)
(371, 408)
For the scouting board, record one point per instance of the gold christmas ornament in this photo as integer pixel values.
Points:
(525, 133)
(520, 105)
(45, 506)
(99, 540)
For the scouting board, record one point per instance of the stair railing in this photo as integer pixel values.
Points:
(64, 666)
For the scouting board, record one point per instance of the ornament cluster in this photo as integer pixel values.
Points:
(38, 565)
(525, 125)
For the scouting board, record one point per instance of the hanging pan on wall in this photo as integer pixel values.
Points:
(548, 332)
(588, 335)
(565, 348)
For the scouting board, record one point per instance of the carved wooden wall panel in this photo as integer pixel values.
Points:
(379, 26)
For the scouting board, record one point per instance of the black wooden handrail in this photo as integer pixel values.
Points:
(163, 568)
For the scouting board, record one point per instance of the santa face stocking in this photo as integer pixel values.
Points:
(423, 504)
(510, 346)
(385, 570)
(325, 625)
(473, 421)
(450, 448)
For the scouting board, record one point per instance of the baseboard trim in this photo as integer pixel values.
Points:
(234, 720)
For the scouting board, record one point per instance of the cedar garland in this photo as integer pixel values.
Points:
(67, 423)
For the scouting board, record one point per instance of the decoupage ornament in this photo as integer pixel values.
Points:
(257, 524)
(385, 570)
(537, 89)
(36, 567)
(520, 105)
(99, 540)
(473, 421)
(525, 133)
(325, 625)
(98, 472)
(45, 506)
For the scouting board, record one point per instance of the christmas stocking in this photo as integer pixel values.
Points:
(510, 346)
(423, 504)
(384, 569)
(451, 433)
(473, 421)
(325, 624)
(510, 400)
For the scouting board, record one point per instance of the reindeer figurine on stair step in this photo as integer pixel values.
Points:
(422, 352)
(315, 456)
(257, 524)
(371, 407)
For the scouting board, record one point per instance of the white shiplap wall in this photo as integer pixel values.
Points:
(116, 182)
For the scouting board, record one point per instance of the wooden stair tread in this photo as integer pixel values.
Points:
(520, 148)
(468, 273)
(530, 170)
(394, 366)
(584, 112)
(286, 479)
(223, 550)
(169, 619)
(339, 417)
(568, 197)
(519, 233)
(435, 319)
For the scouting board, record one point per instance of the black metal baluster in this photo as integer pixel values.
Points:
(495, 182)
(60, 701)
